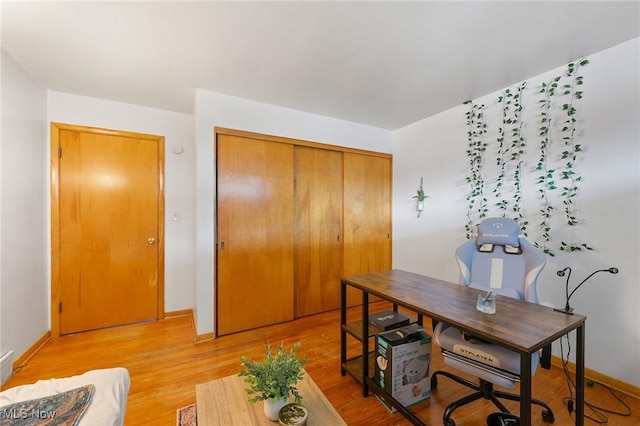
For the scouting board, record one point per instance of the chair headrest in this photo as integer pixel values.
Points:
(499, 231)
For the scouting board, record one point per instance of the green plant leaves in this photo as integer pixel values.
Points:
(276, 376)
(557, 125)
(476, 202)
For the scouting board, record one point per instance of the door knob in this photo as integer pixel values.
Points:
(151, 240)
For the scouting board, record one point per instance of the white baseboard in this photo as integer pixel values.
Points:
(6, 366)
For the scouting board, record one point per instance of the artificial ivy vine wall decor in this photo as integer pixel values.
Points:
(476, 201)
(557, 113)
(514, 151)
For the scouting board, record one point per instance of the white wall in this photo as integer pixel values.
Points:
(214, 109)
(433, 148)
(177, 129)
(24, 272)
(609, 204)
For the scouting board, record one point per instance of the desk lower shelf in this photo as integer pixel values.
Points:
(353, 366)
(355, 329)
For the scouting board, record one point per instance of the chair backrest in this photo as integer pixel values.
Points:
(501, 259)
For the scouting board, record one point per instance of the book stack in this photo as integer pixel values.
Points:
(388, 320)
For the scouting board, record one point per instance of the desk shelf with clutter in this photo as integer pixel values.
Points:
(353, 365)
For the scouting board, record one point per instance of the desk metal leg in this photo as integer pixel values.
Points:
(580, 375)
(525, 389)
(365, 343)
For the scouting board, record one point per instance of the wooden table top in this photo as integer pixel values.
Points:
(225, 402)
(518, 325)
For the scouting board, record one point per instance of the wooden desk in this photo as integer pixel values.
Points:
(225, 402)
(519, 326)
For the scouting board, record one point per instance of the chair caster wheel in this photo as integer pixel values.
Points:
(434, 382)
(547, 416)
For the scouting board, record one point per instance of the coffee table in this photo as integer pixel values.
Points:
(225, 402)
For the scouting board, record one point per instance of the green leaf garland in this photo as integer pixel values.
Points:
(554, 171)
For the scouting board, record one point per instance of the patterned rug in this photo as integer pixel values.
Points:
(187, 416)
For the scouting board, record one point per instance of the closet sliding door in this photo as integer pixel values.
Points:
(255, 226)
(318, 247)
(292, 218)
(367, 217)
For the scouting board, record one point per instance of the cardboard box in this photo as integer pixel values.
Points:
(388, 320)
(403, 363)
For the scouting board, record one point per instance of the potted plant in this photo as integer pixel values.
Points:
(274, 379)
(420, 196)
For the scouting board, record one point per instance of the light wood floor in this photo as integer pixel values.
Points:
(165, 366)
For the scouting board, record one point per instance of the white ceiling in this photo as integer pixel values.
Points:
(385, 64)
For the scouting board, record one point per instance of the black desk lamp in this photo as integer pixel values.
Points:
(561, 273)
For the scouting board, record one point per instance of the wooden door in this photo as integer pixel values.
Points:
(367, 216)
(107, 242)
(254, 233)
(318, 248)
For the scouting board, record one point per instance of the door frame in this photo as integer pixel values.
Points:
(55, 129)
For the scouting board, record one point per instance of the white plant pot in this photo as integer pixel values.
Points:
(272, 407)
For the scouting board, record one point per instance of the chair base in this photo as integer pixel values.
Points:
(503, 419)
(484, 390)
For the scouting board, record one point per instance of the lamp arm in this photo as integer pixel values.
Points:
(583, 281)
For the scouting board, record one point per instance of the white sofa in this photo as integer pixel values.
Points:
(108, 403)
